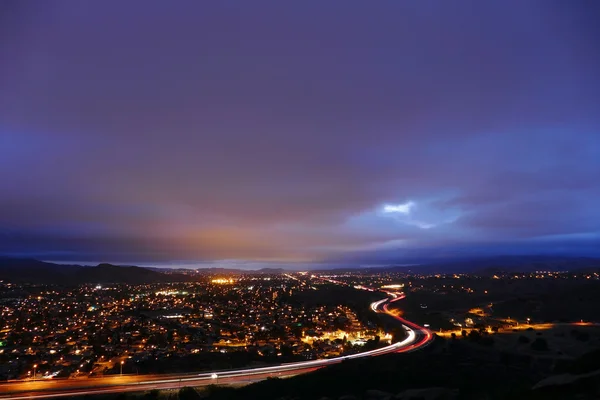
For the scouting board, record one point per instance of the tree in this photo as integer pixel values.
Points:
(188, 393)
(523, 339)
(398, 334)
(539, 344)
(463, 333)
(487, 340)
(474, 335)
(152, 395)
(286, 351)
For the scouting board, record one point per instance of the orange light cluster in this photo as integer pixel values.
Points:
(222, 281)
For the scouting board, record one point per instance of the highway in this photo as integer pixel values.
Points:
(416, 338)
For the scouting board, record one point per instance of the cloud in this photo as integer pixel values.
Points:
(399, 208)
(279, 131)
(424, 215)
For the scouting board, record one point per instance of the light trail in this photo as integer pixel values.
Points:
(417, 337)
(375, 305)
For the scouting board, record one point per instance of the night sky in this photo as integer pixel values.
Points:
(241, 132)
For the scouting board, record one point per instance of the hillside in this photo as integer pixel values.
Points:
(18, 270)
(446, 370)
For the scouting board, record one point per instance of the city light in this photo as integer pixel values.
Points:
(222, 281)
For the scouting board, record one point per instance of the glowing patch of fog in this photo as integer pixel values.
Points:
(399, 208)
(402, 213)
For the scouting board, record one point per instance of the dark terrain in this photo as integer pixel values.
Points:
(16, 270)
(448, 369)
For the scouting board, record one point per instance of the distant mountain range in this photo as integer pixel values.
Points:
(490, 265)
(530, 263)
(20, 270)
(219, 270)
(17, 270)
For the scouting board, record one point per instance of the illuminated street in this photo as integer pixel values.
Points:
(416, 338)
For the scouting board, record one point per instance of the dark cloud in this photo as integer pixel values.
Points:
(268, 130)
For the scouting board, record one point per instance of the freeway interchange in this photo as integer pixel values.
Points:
(417, 337)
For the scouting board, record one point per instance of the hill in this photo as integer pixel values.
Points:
(19, 270)
(445, 370)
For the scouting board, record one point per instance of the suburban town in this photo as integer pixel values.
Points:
(92, 330)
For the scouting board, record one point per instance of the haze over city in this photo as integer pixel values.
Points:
(197, 133)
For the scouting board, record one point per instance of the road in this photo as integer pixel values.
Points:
(417, 337)
(423, 335)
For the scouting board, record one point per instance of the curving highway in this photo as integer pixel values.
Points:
(417, 337)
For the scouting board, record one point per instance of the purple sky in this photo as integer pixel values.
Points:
(308, 131)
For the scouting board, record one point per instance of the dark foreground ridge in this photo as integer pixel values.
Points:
(447, 370)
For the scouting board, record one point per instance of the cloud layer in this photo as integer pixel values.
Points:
(147, 131)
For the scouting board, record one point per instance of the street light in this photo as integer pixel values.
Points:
(216, 377)
(122, 362)
(34, 367)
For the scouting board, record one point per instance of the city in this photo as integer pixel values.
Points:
(95, 330)
(299, 200)
(229, 325)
